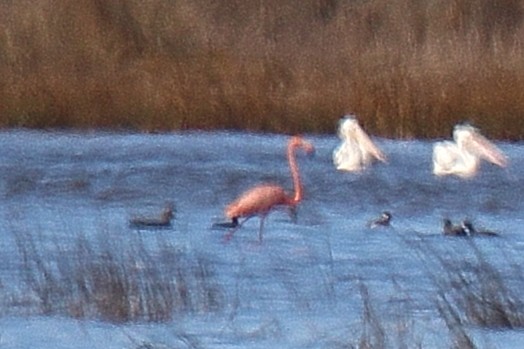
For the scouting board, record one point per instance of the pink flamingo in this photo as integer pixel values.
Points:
(261, 199)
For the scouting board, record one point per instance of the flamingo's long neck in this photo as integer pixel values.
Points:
(297, 184)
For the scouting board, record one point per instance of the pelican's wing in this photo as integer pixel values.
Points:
(357, 149)
(368, 147)
(347, 157)
(482, 147)
(449, 158)
(445, 158)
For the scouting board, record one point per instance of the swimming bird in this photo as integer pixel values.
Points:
(462, 157)
(233, 224)
(163, 221)
(467, 225)
(357, 150)
(262, 199)
(453, 230)
(382, 221)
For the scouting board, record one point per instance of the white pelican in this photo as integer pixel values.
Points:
(462, 157)
(357, 150)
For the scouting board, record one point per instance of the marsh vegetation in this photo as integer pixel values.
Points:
(132, 281)
(409, 68)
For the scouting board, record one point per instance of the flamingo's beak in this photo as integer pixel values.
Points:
(309, 149)
(311, 153)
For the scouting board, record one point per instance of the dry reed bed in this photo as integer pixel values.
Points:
(408, 68)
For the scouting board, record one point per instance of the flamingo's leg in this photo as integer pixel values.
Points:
(261, 231)
(292, 211)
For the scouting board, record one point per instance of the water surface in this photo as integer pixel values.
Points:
(301, 286)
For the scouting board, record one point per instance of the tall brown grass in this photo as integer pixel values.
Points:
(408, 68)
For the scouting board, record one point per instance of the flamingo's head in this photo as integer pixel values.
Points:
(299, 142)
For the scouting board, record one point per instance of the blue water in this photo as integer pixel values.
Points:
(301, 286)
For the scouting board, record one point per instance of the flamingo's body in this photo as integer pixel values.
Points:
(357, 150)
(462, 157)
(261, 199)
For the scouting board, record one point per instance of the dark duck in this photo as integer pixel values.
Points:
(453, 230)
(472, 231)
(163, 221)
(383, 221)
(226, 225)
